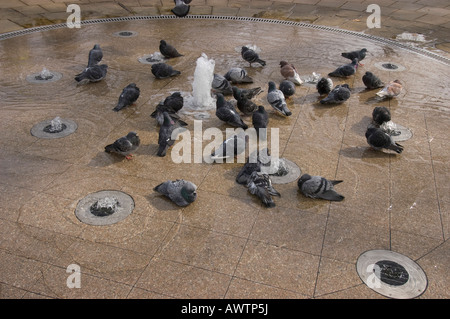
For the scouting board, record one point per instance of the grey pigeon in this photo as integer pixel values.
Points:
(125, 145)
(247, 93)
(244, 104)
(324, 86)
(165, 134)
(251, 56)
(261, 186)
(226, 112)
(95, 55)
(360, 55)
(221, 85)
(379, 140)
(181, 8)
(339, 94)
(238, 75)
(319, 187)
(171, 104)
(231, 147)
(167, 50)
(129, 95)
(276, 99)
(253, 164)
(287, 87)
(380, 115)
(371, 81)
(345, 70)
(179, 191)
(260, 120)
(162, 70)
(93, 73)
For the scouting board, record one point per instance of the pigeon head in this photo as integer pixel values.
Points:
(355, 62)
(133, 138)
(272, 86)
(261, 109)
(381, 114)
(302, 179)
(96, 47)
(188, 192)
(370, 131)
(244, 49)
(345, 85)
(220, 99)
(283, 63)
(162, 42)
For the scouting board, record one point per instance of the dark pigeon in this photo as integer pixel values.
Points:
(324, 86)
(165, 134)
(163, 70)
(125, 145)
(260, 120)
(171, 104)
(339, 94)
(95, 55)
(360, 55)
(226, 112)
(181, 8)
(261, 186)
(93, 73)
(345, 70)
(251, 56)
(371, 81)
(167, 50)
(129, 95)
(287, 87)
(379, 140)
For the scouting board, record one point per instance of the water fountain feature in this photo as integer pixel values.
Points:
(54, 128)
(104, 207)
(201, 100)
(45, 76)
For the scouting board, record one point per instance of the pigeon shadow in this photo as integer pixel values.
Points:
(161, 202)
(104, 159)
(361, 126)
(366, 154)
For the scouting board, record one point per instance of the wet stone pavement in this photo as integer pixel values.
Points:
(226, 244)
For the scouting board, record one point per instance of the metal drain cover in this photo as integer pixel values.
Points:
(405, 133)
(104, 208)
(391, 274)
(390, 66)
(125, 34)
(43, 129)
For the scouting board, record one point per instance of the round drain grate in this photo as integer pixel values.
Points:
(104, 208)
(125, 34)
(55, 128)
(402, 133)
(390, 66)
(44, 77)
(152, 58)
(391, 274)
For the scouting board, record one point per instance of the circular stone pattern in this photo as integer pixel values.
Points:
(391, 274)
(390, 66)
(104, 208)
(42, 129)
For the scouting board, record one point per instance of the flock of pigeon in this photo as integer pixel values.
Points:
(253, 174)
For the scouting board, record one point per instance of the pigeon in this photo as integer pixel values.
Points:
(95, 55)
(238, 75)
(371, 81)
(165, 133)
(167, 50)
(226, 112)
(247, 93)
(231, 147)
(93, 73)
(380, 115)
(125, 145)
(319, 187)
(221, 85)
(379, 140)
(276, 99)
(128, 96)
(345, 70)
(255, 162)
(289, 72)
(181, 8)
(360, 55)
(260, 120)
(339, 94)
(244, 104)
(324, 86)
(392, 89)
(180, 191)
(261, 186)
(171, 104)
(163, 70)
(251, 56)
(287, 87)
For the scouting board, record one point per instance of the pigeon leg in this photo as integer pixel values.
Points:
(128, 157)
